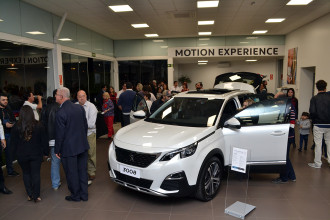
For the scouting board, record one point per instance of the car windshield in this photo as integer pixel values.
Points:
(184, 111)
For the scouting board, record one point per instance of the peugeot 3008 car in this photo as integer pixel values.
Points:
(183, 147)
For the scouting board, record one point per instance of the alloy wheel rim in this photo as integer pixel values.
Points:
(212, 179)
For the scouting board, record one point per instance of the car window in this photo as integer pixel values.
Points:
(229, 111)
(273, 111)
(186, 111)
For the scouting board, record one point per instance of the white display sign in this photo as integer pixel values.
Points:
(239, 158)
(228, 51)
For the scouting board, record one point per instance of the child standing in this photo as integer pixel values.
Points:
(305, 125)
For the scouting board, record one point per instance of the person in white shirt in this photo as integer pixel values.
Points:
(29, 98)
(121, 91)
(91, 115)
(176, 87)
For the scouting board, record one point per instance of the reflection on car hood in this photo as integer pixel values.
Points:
(153, 137)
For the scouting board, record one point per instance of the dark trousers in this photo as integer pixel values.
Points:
(9, 159)
(126, 120)
(2, 179)
(288, 173)
(303, 138)
(75, 168)
(31, 176)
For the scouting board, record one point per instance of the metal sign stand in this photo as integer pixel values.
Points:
(239, 158)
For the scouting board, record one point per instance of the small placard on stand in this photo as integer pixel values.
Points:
(239, 158)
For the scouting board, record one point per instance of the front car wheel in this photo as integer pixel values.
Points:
(209, 179)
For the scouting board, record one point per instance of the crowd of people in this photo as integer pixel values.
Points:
(64, 132)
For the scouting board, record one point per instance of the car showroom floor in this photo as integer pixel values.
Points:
(306, 199)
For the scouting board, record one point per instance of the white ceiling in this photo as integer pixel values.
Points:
(178, 18)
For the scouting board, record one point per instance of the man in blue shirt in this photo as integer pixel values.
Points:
(125, 103)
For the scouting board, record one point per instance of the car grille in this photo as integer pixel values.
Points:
(135, 158)
(134, 181)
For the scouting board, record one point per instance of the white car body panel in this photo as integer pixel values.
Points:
(235, 85)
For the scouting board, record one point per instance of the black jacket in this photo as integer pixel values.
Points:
(48, 119)
(36, 147)
(319, 108)
(6, 115)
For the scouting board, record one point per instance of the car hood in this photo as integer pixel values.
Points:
(235, 85)
(151, 137)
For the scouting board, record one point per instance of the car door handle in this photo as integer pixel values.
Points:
(278, 133)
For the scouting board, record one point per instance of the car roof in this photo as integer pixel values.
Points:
(214, 93)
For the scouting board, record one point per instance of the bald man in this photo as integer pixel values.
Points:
(91, 115)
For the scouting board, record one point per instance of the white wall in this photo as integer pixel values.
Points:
(313, 45)
(207, 73)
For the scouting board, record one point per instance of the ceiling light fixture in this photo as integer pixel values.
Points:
(204, 39)
(65, 39)
(158, 41)
(205, 22)
(203, 61)
(35, 32)
(204, 33)
(260, 32)
(275, 20)
(299, 2)
(140, 25)
(203, 44)
(207, 4)
(120, 8)
(251, 60)
(244, 42)
(163, 46)
(151, 35)
(1, 20)
(251, 38)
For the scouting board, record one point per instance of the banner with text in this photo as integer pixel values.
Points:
(228, 51)
(23, 60)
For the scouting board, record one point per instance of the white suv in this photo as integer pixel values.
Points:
(183, 148)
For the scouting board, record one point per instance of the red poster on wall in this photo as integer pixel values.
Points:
(271, 76)
(61, 80)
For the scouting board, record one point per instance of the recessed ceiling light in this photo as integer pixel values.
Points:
(251, 38)
(151, 35)
(205, 22)
(203, 61)
(1, 20)
(65, 39)
(204, 33)
(299, 2)
(251, 60)
(120, 8)
(140, 25)
(12, 68)
(47, 67)
(260, 32)
(244, 42)
(275, 20)
(207, 4)
(158, 41)
(203, 44)
(204, 39)
(163, 46)
(34, 32)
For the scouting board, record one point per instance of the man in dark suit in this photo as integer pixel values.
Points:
(71, 144)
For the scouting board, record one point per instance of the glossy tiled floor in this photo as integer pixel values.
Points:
(306, 199)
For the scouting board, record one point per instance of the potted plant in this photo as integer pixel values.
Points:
(183, 79)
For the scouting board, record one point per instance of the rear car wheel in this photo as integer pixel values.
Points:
(209, 180)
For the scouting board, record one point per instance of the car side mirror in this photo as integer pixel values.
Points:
(232, 123)
(139, 114)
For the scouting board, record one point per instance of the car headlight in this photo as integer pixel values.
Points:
(184, 152)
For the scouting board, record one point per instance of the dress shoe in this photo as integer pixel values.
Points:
(14, 173)
(4, 190)
(70, 199)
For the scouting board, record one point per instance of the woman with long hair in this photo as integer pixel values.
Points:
(108, 111)
(291, 94)
(29, 143)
